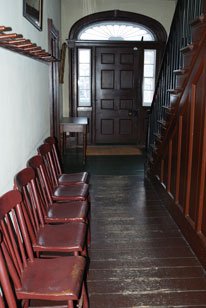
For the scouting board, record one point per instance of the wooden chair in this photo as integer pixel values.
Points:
(56, 212)
(58, 238)
(55, 279)
(7, 296)
(51, 155)
(78, 192)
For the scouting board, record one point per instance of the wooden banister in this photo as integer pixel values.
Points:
(180, 36)
(17, 43)
(204, 6)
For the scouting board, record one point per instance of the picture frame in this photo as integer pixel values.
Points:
(33, 11)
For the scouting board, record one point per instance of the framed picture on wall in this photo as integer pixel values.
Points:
(32, 10)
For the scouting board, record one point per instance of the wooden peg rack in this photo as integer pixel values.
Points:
(17, 43)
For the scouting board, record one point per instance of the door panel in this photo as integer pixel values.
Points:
(118, 94)
(107, 79)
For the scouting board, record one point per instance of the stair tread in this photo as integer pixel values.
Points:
(154, 148)
(187, 48)
(181, 71)
(168, 109)
(158, 136)
(174, 91)
(162, 122)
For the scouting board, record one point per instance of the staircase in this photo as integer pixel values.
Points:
(177, 125)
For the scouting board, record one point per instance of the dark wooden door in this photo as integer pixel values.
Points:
(119, 73)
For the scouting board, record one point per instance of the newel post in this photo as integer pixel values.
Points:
(204, 6)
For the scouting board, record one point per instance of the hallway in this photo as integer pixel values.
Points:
(138, 255)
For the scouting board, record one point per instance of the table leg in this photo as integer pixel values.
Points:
(61, 145)
(84, 146)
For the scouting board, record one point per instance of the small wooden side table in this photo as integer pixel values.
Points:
(74, 125)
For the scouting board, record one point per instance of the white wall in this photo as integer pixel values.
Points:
(73, 10)
(24, 92)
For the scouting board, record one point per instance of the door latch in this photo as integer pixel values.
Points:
(132, 113)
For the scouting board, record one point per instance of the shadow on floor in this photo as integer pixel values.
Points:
(103, 165)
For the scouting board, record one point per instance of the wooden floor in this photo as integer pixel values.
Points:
(138, 255)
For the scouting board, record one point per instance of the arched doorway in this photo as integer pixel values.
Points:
(110, 80)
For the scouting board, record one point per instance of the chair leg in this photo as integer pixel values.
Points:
(85, 251)
(25, 303)
(70, 304)
(85, 296)
(88, 234)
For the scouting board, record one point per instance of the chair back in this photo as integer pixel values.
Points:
(45, 150)
(33, 196)
(37, 164)
(1, 299)
(55, 154)
(16, 244)
(7, 296)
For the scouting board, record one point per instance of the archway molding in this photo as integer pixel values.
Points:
(116, 15)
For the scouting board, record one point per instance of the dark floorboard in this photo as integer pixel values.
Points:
(139, 257)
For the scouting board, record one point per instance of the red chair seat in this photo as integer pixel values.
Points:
(57, 278)
(67, 212)
(73, 178)
(75, 192)
(61, 238)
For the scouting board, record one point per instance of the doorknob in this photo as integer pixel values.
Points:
(132, 113)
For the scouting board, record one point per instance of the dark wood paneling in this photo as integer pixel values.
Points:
(179, 152)
(174, 160)
(187, 134)
(198, 101)
(107, 127)
(204, 208)
(166, 166)
(126, 58)
(107, 104)
(184, 158)
(126, 104)
(107, 58)
(107, 79)
(126, 79)
(125, 127)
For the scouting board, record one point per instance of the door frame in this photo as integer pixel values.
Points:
(73, 44)
(53, 48)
